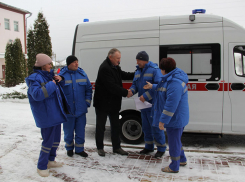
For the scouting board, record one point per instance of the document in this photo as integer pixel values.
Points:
(141, 105)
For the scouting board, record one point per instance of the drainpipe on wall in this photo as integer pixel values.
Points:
(26, 32)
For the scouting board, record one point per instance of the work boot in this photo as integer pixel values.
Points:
(83, 154)
(54, 164)
(159, 154)
(120, 151)
(183, 163)
(146, 151)
(43, 173)
(101, 152)
(168, 170)
(70, 153)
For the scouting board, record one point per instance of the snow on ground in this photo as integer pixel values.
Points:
(20, 143)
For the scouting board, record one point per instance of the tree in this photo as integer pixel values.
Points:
(42, 38)
(38, 41)
(19, 61)
(9, 78)
(31, 54)
(15, 63)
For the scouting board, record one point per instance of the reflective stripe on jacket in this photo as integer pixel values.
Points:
(78, 90)
(48, 103)
(150, 73)
(170, 100)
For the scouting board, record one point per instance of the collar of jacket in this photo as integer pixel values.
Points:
(168, 76)
(110, 64)
(65, 69)
(48, 75)
(146, 66)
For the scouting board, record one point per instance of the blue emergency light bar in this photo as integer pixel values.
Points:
(195, 11)
(85, 20)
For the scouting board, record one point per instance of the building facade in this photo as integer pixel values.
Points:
(12, 26)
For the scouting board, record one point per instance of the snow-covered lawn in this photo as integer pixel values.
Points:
(22, 88)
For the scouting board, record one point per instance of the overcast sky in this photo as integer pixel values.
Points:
(63, 15)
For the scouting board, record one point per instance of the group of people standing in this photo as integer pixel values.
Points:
(65, 98)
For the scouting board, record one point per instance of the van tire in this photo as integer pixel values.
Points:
(131, 129)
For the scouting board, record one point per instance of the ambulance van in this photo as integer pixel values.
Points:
(209, 48)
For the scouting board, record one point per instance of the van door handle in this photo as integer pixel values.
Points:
(237, 86)
(212, 86)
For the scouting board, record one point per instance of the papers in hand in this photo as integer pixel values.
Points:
(141, 105)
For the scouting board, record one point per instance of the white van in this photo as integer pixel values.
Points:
(209, 48)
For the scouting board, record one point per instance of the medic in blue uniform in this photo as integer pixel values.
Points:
(171, 109)
(78, 91)
(148, 71)
(49, 108)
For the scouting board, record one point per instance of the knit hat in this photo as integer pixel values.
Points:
(142, 55)
(42, 59)
(70, 59)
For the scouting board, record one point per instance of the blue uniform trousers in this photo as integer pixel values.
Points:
(152, 134)
(77, 125)
(51, 140)
(176, 151)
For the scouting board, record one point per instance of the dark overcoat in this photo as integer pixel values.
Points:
(108, 87)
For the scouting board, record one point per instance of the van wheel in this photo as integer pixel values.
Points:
(131, 129)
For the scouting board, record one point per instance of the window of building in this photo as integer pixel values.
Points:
(200, 61)
(239, 60)
(6, 23)
(16, 26)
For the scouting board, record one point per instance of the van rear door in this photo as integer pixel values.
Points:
(236, 85)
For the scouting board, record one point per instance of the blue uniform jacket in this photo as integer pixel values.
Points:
(170, 100)
(48, 103)
(78, 90)
(150, 73)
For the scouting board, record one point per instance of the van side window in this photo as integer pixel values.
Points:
(239, 60)
(200, 61)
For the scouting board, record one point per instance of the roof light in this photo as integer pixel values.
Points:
(198, 11)
(85, 20)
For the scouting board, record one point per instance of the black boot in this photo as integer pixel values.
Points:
(83, 154)
(146, 151)
(159, 154)
(70, 153)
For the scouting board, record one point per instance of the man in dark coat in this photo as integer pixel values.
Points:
(108, 98)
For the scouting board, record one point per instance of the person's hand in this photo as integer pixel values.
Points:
(130, 93)
(148, 85)
(161, 126)
(57, 78)
(142, 99)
